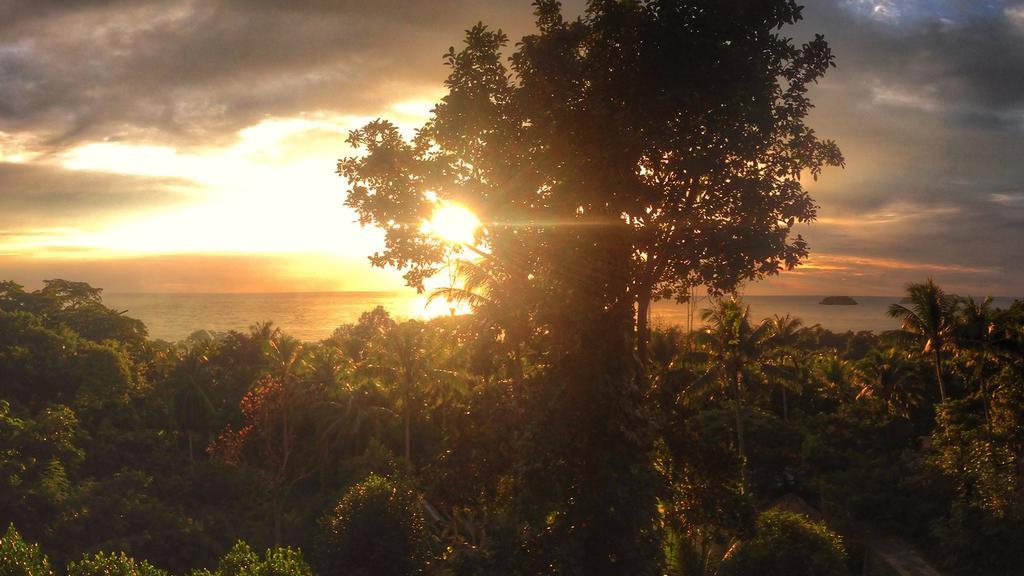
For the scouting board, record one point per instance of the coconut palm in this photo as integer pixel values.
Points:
(733, 349)
(976, 335)
(787, 365)
(402, 360)
(928, 315)
(191, 379)
(834, 375)
(498, 296)
(888, 375)
(288, 357)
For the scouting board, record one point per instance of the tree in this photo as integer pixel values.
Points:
(242, 561)
(783, 332)
(834, 375)
(500, 299)
(402, 360)
(19, 558)
(614, 159)
(887, 375)
(734, 349)
(191, 379)
(929, 316)
(695, 173)
(276, 438)
(375, 529)
(788, 544)
(101, 564)
(975, 334)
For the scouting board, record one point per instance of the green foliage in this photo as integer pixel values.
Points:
(983, 531)
(376, 528)
(103, 564)
(19, 558)
(787, 544)
(242, 561)
(536, 442)
(239, 561)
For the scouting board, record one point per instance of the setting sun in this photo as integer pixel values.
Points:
(454, 223)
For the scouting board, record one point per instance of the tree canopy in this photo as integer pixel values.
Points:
(661, 143)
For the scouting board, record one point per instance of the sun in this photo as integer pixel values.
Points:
(455, 224)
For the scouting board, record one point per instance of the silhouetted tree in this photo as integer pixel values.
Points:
(929, 316)
(618, 158)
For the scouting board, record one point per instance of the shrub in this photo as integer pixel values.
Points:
(787, 544)
(19, 558)
(242, 561)
(119, 564)
(375, 529)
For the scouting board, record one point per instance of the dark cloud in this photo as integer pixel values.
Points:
(929, 110)
(42, 195)
(194, 72)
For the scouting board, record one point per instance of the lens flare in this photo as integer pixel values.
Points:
(455, 224)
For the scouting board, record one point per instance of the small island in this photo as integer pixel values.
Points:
(838, 301)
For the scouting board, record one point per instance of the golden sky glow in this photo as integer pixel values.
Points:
(192, 146)
(272, 191)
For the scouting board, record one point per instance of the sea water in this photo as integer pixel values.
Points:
(313, 316)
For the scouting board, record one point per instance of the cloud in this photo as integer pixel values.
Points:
(927, 104)
(928, 107)
(198, 71)
(38, 195)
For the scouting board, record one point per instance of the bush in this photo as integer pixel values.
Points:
(242, 561)
(118, 564)
(19, 558)
(375, 529)
(787, 544)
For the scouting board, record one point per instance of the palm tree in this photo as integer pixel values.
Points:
(888, 375)
(787, 366)
(498, 296)
(402, 360)
(349, 416)
(191, 380)
(834, 375)
(288, 357)
(929, 316)
(734, 349)
(976, 333)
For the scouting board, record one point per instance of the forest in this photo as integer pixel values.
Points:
(412, 447)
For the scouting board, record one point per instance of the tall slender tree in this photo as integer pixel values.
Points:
(928, 315)
(734, 354)
(789, 369)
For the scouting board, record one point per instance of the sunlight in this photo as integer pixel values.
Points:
(455, 224)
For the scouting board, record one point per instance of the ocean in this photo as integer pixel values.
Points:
(313, 316)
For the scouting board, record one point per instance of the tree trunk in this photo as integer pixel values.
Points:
(785, 403)
(276, 511)
(984, 393)
(408, 426)
(938, 374)
(643, 324)
(740, 445)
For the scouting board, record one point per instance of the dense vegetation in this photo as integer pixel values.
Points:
(410, 447)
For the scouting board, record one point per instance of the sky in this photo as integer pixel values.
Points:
(190, 146)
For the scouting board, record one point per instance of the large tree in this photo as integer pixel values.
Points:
(617, 158)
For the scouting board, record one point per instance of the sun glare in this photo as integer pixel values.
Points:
(455, 224)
